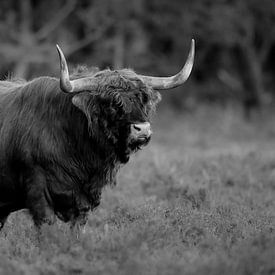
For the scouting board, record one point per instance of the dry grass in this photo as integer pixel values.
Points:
(198, 200)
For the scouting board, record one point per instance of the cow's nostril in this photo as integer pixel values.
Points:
(137, 128)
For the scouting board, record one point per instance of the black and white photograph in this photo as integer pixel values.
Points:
(137, 137)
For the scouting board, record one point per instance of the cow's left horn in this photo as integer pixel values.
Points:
(163, 83)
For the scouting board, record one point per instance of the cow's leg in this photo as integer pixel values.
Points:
(40, 210)
(37, 199)
(82, 208)
(78, 225)
(5, 210)
(2, 221)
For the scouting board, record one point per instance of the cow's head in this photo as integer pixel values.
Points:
(120, 102)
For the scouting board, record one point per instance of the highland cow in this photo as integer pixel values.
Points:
(63, 140)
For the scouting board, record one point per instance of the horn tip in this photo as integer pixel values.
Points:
(193, 44)
(58, 48)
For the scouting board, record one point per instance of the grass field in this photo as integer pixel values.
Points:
(200, 199)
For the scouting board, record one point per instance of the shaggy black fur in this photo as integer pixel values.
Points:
(58, 150)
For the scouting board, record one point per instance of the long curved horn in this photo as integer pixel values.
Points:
(163, 83)
(77, 85)
(65, 83)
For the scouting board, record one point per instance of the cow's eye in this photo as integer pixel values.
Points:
(145, 98)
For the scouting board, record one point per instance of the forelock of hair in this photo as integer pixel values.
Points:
(81, 71)
(129, 73)
(125, 79)
(133, 78)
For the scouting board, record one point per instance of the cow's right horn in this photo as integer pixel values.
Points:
(77, 85)
(65, 83)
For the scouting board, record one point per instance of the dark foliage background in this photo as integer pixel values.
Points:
(199, 199)
(235, 42)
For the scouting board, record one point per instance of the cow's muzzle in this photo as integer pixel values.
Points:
(141, 131)
(140, 134)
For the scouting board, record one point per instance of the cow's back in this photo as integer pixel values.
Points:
(9, 85)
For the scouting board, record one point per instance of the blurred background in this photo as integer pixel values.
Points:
(199, 199)
(235, 44)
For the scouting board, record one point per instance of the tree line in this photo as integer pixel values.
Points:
(235, 42)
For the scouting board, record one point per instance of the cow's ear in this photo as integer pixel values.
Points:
(81, 100)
